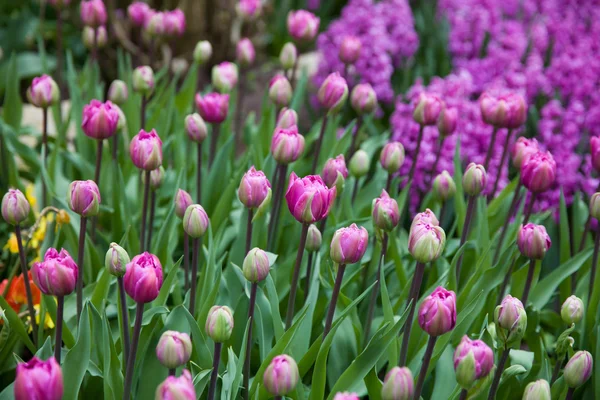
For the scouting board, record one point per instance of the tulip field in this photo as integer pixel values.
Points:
(341, 200)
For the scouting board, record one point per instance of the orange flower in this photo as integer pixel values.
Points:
(16, 295)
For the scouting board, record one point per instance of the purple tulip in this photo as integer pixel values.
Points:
(43, 92)
(213, 107)
(182, 201)
(428, 109)
(15, 207)
(302, 25)
(533, 241)
(579, 369)
(595, 152)
(138, 13)
(349, 244)
(84, 198)
(145, 150)
(385, 214)
(473, 359)
(363, 99)
(333, 168)
(350, 49)
(392, 157)
(195, 127)
(93, 13)
(333, 92)
(426, 241)
(287, 118)
(507, 110)
(57, 274)
(522, 149)
(437, 314)
(40, 380)
(254, 188)
(474, 179)
(309, 200)
(174, 23)
(281, 376)
(447, 121)
(100, 120)
(287, 144)
(538, 172)
(144, 278)
(195, 221)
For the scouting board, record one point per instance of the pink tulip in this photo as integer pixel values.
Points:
(334, 167)
(437, 314)
(533, 241)
(100, 120)
(595, 152)
(195, 128)
(93, 13)
(349, 244)
(309, 200)
(287, 145)
(426, 216)
(522, 149)
(174, 23)
(507, 110)
(174, 349)
(254, 188)
(287, 118)
(144, 278)
(333, 92)
(40, 380)
(182, 201)
(473, 359)
(43, 92)
(386, 214)
(346, 396)
(280, 91)
(224, 76)
(57, 274)
(145, 150)
(245, 53)
(428, 109)
(15, 207)
(447, 121)
(248, 9)
(177, 388)
(281, 376)
(213, 107)
(392, 157)
(538, 172)
(84, 198)
(363, 99)
(302, 25)
(138, 13)
(350, 49)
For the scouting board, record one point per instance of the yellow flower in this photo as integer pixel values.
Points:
(48, 323)
(40, 233)
(12, 244)
(30, 194)
(62, 217)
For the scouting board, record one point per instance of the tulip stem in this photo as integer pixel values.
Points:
(172, 371)
(424, 366)
(309, 266)
(594, 264)
(289, 317)
(249, 230)
(139, 314)
(413, 167)
(352, 149)
(199, 175)
(281, 177)
(570, 393)
(143, 112)
(45, 153)
(556, 371)
(502, 160)
(253, 289)
(144, 211)
(586, 230)
(25, 273)
(530, 272)
(213, 144)
(412, 299)
(97, 180)
(463, 394)
(334, 296)
(186, 260)
(529, 208)
(465, 234)
(59, 50)
(388, 183)
(507, 277)
(60, 308)
(375, 291)
(151, 219)
(215, 371)
(80, 256)
(511, 210)
(354, 190)
(319, 144)
(438, 155)
(488, 155)
(125, 317)
(498, 374)
(196, 250)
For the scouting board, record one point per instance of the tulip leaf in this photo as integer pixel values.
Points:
(77, 360)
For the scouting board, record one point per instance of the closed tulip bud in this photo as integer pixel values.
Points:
(84, 198)
(426, 241)
(177, 388)
(281, 376)
(143, 278)
(359, 163)
(157, 177)
(99, 120)
(594, 152)
(143, 80)
(179, 66)
(350, 49)
(287, 145)
(122, 122)
(308, 199)
(195, 127)
(195, 221)
(392, 157)
(398, 384)
(202, 52)
(595, 205)
(437, 314)
(428, 109)
(280, 91)
(182, 201)
(248, 9)
(578, 369)
(302, 25)
(145, 150)
(288, 56)
(93, 13)
(473, 360)
(444, 187)
(386, 213)
(174, 23)
(335, 172)
(447, 121)
(333, 92)
(43, 92)
(511, 320)
(15, 207)
(174, 349)
(522, 149)
(255, 189)
(313, 239)
(533, 241)
(37, 379)
(346, 396)
(155, 27)
(426, 216)
(219, 323)
(118, 92)
(138, 13)
(571, 311)
(57, 274)
(287, 118)
(474, 179)
(537, 390)
(256, 265)
(225, 76)
(538, 172)
(245, 53)
(213, 107)
(87, 37)
(503, 111)
(349, 244)
(363, 99)
(116, 260)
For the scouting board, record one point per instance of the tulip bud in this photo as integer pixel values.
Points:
(594, 152)
(426, 241)
(302, 25)
(511, 320)
(281, 376)
(39, 379)
(386, 213)
(474, 179)
(145, 150)
(349, 244)
(15, 207)
(248, 9)
(437, 314)
(335, 173)
(88, 39)
(195, 127)
(143, 278)
(426, 216)
(174, 23)
(182, 201)
(93, 13)
(219, 323)
(444, 187)
(156, 177)
(155, 27)
(346, 396)
(428, 109)
(537, 390)
(100, 120)
(503, 111)
(256, 265)
(287, 145)
(245, 52)
(288, 56)
(43, 92)
(195, 221)
(224, 76)
(202, 52)
(359, 163)
(177, 388)
(538, 172)
(392, 157)
(398, 384)
(522, 149)
(571, 311)
(350, 49)
(84, 198)
(473, 360)
(309, 200)
(578, 369)
(255, 189)
(447, 121)
(595, 205)
(179, 66)
(57, 274)
(138, 13)
(333, 92)
(363, 99)
(116, 260)
(174, 349)
(118, 92)
(142, 80)
(213, 107)
(280, 91)
(533, 241)
(313, 239)
(287, 118)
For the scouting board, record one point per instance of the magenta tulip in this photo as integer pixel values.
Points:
(213, 107)
(309, 200)
(39, 380)
(144, 278)
(437, 314)
(538, 172)
(145, 150)
(57, 274)
(349, 244)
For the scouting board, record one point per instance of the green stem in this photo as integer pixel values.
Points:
(334, 296)
(25, 273)
(139, 314)
(424, 367)
(289, 317)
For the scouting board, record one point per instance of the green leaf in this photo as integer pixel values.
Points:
(77, 359)
(16, 324)
(12, 106)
